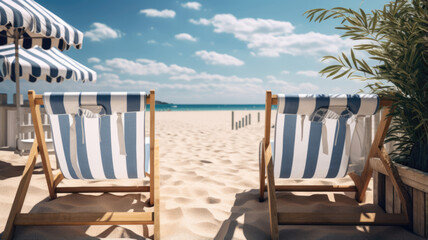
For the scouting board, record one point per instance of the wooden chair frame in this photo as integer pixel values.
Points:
(81, 218)
(361, 183)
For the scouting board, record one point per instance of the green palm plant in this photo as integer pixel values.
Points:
(395, 39)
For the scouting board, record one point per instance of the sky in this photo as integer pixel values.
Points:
(203, 52)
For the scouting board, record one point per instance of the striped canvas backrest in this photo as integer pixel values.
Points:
(98, 135)
(314, 133)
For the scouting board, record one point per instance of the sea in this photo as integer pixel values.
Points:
(209, 107)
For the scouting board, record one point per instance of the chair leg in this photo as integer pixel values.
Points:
(262, 174)
(397, 183)
(21, 192)
(378, 141)
(273, 211)
(359, 185)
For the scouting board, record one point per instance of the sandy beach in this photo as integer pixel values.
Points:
(209, 190)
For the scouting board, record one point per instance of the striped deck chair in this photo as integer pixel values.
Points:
(96, 136)
(314, 138)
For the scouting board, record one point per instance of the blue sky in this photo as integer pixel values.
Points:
(219, 51)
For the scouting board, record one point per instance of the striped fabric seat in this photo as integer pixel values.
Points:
(99, 135)
(314, 134)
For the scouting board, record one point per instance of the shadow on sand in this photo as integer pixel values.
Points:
(86, 203)
(252, 217)
(8, 170)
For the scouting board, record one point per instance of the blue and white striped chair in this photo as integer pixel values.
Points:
(314, 137)
(96, 136)
(99, 135)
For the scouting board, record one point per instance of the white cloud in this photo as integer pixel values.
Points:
(166, 13)
(185, 36)
(94, 60)
(112, 80)
(209, 88)
(271, 38)
(109, 76)
(102, 68)
(202, 21)
(192, 5)
(270, 77)
(308, 73)
(215, 77)
(288, 87)
(151, 41)
(241, 28)
(145, 67)
(285, 72)
(100, 31)
(215, 58)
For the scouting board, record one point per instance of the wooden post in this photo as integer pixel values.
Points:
(239, 124)
(152, 147)
(258, 117)
(379, 189)
(418, 212)
(243, 122)
(233, 119)
(236, 125)
(246, 120)
(389, 195)
(249, 119)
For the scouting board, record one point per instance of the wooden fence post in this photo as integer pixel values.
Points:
(233, 119)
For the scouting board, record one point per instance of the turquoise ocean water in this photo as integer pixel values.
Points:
(209, 107)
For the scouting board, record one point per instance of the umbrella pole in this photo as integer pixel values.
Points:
(18, 91)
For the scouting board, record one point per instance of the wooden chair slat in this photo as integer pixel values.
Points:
(106, 218)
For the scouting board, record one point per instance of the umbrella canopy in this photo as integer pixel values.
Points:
(37, 25)
(38, 64)
(26, 23)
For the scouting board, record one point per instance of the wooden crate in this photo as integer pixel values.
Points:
(386, 197)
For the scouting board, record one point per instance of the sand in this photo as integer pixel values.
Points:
(209, 190)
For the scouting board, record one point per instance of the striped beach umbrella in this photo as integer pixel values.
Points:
(26, 23)
(38, 64)
(33, 25)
